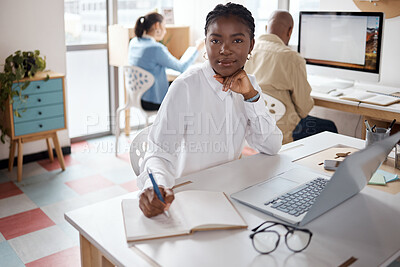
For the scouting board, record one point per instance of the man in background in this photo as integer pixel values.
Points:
(281, 73)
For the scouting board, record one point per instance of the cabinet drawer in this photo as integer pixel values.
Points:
(38, 100)
(39, 113)
(39, 126)
(38, 87)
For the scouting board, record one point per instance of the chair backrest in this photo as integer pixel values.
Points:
(275, 107)
(137, 82)
(138, 149)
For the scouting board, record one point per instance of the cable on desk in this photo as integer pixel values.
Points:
(358, 123)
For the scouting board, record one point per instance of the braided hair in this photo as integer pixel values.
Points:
(144, 23)
(231, 9)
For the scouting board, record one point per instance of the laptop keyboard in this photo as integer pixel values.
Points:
(299, 200)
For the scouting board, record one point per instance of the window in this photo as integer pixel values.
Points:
(295, 6)
(85, 13)
(87, 68)
(130, 10)
(262, 10)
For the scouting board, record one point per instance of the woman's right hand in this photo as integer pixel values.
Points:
(151, 205)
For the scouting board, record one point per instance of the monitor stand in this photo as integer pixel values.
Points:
(325, 85)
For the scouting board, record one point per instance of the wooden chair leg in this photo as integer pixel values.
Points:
(58, 151)
(50, 150)
(117, 130)
(127, 111)
(12, 155)
(127, 122)
(20, 154)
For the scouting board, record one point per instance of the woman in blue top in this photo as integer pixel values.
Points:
(146, 52)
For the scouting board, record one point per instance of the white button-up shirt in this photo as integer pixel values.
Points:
(200, 126)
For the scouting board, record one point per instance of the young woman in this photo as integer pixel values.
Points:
(209, 111)
(146, 52)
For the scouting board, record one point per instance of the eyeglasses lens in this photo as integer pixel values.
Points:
(265, 241)
(297, 240)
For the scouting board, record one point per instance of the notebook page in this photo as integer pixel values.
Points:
(358, 96)
(206, 209)
(139, 227)
(382, 100)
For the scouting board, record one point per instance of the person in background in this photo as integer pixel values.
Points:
(281, 73)
(208, 111)
(147, 52)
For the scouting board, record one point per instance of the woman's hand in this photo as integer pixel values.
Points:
(239, 83)
(151, 205)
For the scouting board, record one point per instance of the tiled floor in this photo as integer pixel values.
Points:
(33, 231)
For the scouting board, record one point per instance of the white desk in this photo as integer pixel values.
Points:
(388, 112)
(379, 115)
(365, 227)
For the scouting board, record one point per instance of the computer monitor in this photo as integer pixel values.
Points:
(343, 45)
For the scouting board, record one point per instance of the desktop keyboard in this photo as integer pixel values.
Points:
(299, 200)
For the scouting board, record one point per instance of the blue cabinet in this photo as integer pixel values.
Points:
(42, 110)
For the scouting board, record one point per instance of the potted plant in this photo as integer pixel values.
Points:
(18, 66)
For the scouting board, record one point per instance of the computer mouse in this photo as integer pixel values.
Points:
(335, 93)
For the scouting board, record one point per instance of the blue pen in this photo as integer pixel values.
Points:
(155, 186)
(156, 189)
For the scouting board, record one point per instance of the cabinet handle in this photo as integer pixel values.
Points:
(39, 100)
(38, 86)
(40, 125)
(40, 113)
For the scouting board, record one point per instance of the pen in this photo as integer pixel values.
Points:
(390, 126)
(156, 188)
(367, 125)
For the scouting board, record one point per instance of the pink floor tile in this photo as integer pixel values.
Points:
(51, 166)
(248, 151)
(131, 186)
(9, 189)
(89, 184)
(64, 258)
(80, 147)
(125, 157)
(24, 223)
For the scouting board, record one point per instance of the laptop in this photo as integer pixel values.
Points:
(300, 195)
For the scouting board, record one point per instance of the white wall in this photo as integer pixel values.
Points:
(347, 123)
(29, 25)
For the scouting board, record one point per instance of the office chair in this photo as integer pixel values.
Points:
(275, 107)
(138, 148)
(137, 81)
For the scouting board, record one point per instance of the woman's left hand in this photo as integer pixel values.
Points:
(238, 82)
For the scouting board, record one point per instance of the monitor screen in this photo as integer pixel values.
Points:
(342, 40)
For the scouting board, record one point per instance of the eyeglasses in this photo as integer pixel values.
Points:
(267, 239)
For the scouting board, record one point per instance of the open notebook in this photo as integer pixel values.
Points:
(371, 98)
(191, 211)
